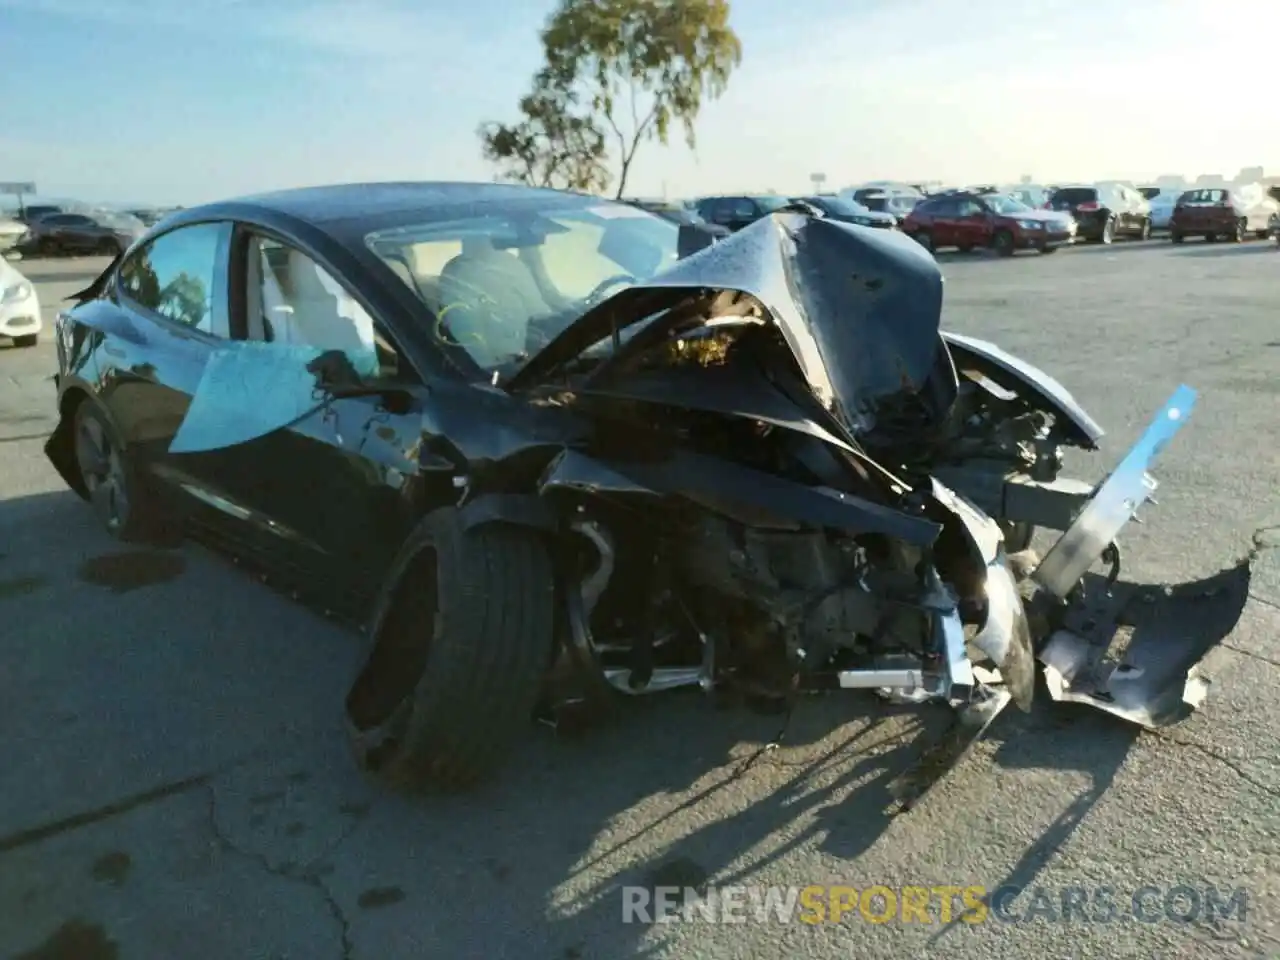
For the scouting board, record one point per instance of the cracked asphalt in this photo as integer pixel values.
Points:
(176, 783)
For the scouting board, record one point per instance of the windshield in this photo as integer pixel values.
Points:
(838, 206)
(1072, 196)
(502, 285)
(121, 221)
(770, 203)
(1004, 204)
(903, 204)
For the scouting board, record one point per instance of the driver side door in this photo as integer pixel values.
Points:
(324, 493)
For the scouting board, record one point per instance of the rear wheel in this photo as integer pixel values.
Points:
(1210, 238)
(109, 247)
(1048, 249)
(460, 656)
(1238, 232)
(925, 239)
(1144, 232)
(1108, 231)
(1175, 236)
(1002, 243)
(1260, 234)
(29, 340)
(112, 481)
(965, 247)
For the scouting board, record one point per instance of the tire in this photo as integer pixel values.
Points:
(112, 482)
(29, 340)
(1176, 237)
(1144, 232)
(1260, 234)
(1002, 243)
(458, 664)
(46, 247)
(925, 239)
(965, 248)
(108, 247)
(1237, 234)
(1048, 250)
(1108, 231)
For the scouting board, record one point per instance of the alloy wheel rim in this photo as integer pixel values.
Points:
(102, 470)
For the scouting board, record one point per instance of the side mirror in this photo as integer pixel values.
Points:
(336, 377)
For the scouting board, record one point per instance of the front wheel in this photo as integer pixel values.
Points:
(925, 239)
(1047, 250)
(1176, 237)
(1144, 232)
(1238, 232)
(460, 655)
(28, 340)
(1002, 243)
(1108, 231)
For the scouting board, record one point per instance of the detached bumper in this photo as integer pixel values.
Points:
(1153, 683)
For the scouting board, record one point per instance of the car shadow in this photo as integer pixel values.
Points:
(1128, 244)
(672, 792)
(1231, 249)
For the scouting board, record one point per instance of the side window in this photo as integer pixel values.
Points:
(181, 275)
(945, 208)
(292, 299)
(970, 208)
(742, 208)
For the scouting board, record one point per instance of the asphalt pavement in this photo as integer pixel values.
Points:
(176, 782)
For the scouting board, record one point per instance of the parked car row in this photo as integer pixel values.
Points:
(52, 229)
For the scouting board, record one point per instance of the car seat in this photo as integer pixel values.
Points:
(487, 298)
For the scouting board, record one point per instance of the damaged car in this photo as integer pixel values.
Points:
(554, 450)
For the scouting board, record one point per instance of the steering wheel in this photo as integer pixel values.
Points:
(596, 294)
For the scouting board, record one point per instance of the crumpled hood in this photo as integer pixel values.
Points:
(860, 309)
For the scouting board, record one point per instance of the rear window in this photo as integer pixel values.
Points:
(1151, 192)
(1070, 196)
(1203, 196)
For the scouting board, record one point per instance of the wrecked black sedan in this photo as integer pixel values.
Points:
(562, 451)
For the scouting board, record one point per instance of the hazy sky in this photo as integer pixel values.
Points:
(189, 100)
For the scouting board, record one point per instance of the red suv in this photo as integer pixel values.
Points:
(967, 220)
(1216, 212)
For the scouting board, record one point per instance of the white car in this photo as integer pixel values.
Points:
(11, 231)
(19, 307)
(1162, 201)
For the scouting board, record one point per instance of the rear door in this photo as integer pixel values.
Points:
(973, 223)
(172, 295)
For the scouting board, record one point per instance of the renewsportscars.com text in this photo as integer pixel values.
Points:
(817, 904)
